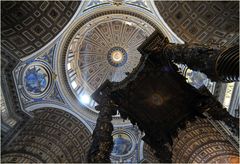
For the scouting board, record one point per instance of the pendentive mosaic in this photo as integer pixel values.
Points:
(36, 80)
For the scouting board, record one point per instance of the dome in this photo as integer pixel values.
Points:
(104, 48)
(99, 46)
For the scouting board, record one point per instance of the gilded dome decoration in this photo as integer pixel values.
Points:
(117, 56)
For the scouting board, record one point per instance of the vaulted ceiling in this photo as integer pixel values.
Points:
(202, 22)
(52, 136)
(29, 25)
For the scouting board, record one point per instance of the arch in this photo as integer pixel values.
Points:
(32, 108)
(200, 142)
(52, 135)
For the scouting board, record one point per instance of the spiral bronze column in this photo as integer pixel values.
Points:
(218, 64)
(102, 143)
(227, 65)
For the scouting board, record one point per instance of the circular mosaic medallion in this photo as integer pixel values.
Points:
(36, 80)
(117, 56)
(122, 144)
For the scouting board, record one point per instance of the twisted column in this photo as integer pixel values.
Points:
(102, 144)
(217, 64)
(227, 65)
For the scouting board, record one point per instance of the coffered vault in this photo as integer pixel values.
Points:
(55, 54)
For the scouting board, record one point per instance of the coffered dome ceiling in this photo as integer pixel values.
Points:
(104, 48)
(203, 22)
(29, 25)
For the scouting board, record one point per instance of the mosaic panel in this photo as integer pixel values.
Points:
(122, 144)
(36, 79)
(126, 147)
